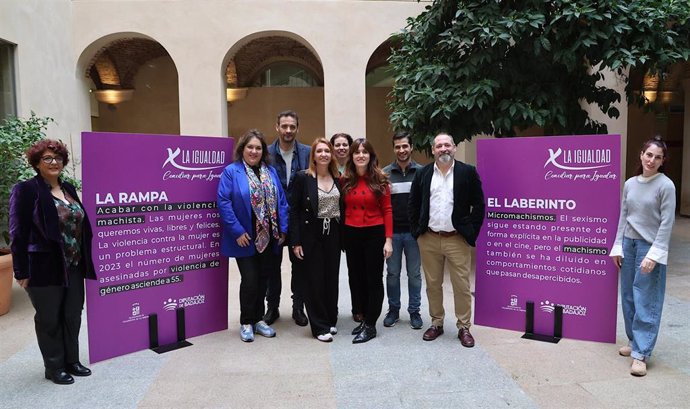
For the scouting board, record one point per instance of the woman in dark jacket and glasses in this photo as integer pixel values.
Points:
(51, 252)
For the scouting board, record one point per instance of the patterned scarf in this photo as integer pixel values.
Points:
(262, 195)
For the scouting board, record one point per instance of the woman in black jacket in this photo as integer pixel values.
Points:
(316, 211)
(51, 253)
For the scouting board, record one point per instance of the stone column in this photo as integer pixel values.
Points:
(202, 98)
(344, 96)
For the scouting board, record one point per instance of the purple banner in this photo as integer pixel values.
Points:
(151, 200)
(551, 215)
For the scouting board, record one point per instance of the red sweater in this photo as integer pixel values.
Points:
(364, 209)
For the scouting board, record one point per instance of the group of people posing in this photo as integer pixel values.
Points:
(333, 196)
(320, 200)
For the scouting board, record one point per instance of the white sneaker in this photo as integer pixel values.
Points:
(327, 337)
(638, 368)
(625, 351)
(262, 328)
(333, 330)
(246, 333)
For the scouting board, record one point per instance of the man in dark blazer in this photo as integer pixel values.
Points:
(446, 210)
(288, 157)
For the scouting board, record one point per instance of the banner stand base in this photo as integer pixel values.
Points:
(153, 334)
(557, 325)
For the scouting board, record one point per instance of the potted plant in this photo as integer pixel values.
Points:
(17, 135)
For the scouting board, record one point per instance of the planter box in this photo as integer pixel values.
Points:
(6, 278)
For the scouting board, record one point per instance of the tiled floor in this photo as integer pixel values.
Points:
(395, 370)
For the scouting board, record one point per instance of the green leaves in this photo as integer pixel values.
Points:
(471, 67)
(17, 135)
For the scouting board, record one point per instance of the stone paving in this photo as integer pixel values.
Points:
(395, 370)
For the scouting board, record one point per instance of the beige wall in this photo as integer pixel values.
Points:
(47, 83)
(199, 35)
(154, 108)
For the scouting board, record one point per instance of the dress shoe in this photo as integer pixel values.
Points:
(358, 328)
(367, 334)
(358, 317)
(59, 376)
(432, 333)
(77, 369)
(272, 315)
(299, 317)
(466, 339)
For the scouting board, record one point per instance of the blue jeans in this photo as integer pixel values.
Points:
(404, 242)
(642, 298)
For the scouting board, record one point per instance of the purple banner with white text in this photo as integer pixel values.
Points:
(551, 215)
(151, 200)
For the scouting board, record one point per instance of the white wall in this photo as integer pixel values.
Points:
(199, 34)
(46, 79)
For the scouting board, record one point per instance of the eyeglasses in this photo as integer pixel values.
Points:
(49, 159)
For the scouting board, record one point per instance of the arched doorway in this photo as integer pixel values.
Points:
(663, 113)
(379, 83)
(268, 73)
(133, 85)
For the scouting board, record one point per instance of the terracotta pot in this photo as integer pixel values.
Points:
(5, 283)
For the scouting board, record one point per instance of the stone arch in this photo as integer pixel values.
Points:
(133, 83)
(664, 113)
(379, 83)
(256, 107)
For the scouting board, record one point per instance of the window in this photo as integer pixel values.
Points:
(8, 104)
(286, 74)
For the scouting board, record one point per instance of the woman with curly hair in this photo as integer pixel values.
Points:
(368, 235)
(51, 252)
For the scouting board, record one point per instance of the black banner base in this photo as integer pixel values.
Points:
(153, 334)
(557, 325)
(542, 338)
(171, 347)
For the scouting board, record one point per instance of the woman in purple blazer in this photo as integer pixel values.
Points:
(254, 215)
(51, 253)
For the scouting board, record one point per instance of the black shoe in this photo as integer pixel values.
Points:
(59, 376)
(272, 315)
(299, 317)
(77, 369)
(358, 328)
(367, 334)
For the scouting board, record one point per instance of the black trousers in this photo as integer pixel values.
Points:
(275, 284)
(254, 271)
(320, 269)
(58, 320)
(364, 252)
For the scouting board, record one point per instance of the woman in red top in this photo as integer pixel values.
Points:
(368, 234)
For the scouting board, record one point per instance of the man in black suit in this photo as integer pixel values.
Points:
(446, 210)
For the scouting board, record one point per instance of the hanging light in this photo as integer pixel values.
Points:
(113, 96)
(235, 94)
